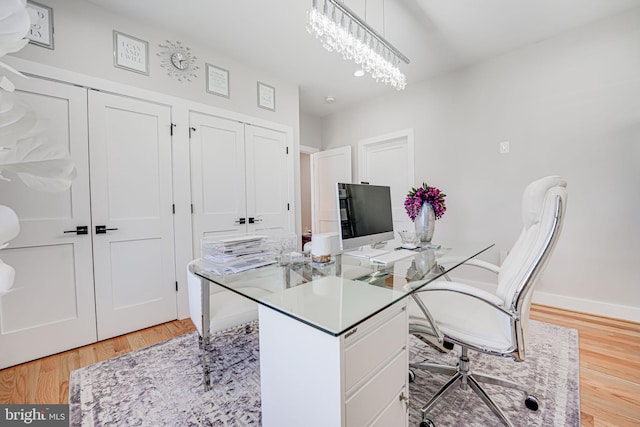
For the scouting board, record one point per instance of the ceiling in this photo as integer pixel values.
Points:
(437, 35)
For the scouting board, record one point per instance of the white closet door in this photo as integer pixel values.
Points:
(130, 152)
(51, 306)
(217, 177)
(267, 166)
(329, 168)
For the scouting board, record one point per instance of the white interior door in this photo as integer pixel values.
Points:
(131, 196)
(329, 167)
(268, 163)
(388, 160)
(51, 306)
(217, 177)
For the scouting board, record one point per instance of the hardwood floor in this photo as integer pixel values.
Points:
(609, 365)
(46, 380)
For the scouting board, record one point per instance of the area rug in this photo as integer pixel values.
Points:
(162, 385)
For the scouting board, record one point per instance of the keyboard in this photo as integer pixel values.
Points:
(367, 253)
(392, 256)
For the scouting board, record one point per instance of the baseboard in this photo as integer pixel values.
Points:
(599, 308)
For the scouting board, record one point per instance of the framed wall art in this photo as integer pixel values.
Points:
(41, 31)
(130, 53)
(266, 96)
(217, 80)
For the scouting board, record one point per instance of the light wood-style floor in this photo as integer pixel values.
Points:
(609, 365)
(46, 380)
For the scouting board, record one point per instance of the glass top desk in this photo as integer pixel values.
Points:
(332, 298)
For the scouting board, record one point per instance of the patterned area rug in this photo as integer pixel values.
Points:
(162, 385)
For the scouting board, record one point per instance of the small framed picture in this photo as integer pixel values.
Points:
(130, 53)
(266, 96)
(217, 80)
(41, 31)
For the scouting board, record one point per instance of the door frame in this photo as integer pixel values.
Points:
(396, 139)
(365, 144)
(306, 149)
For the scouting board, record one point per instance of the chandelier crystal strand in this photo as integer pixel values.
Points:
(343, 33)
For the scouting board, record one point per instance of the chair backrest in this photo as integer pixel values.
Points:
(543, 207)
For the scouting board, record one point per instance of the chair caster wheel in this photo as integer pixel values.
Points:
(427, 423)
(531, 403)
(412, 376)
(448, 345)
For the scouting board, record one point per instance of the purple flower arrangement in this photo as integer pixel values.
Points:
(425, 194)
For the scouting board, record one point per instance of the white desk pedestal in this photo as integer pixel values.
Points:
(311, 378)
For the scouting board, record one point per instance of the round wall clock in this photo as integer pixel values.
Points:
(178, 60)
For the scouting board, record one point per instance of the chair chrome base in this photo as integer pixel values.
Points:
(461, 373)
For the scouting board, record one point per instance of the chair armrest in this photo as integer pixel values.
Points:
(471, 262)
(484, 265)
(470, 291)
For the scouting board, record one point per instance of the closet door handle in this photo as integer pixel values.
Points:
(102, 229)
(254, 220)
(405, 399)
(81, 229)
(242, 220)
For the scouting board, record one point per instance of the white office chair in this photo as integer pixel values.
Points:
(497, 323)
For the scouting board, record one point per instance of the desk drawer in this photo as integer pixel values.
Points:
(380, 392)
(374, 345)
(395, 414)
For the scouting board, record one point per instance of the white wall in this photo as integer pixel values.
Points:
(569, 105)
(84, 44)
(310, 130)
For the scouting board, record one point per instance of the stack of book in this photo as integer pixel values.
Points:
(230, 255)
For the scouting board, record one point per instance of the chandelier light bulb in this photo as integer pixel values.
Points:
(363, 47)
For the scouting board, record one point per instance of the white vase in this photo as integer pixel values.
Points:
(425, 223)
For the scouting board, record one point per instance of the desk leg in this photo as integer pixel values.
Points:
(286, 271)
(205, 339)
(446, 276)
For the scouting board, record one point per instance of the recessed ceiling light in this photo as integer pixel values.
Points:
(329, 99)
(358, 73)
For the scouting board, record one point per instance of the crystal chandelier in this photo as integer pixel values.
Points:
(340, 29)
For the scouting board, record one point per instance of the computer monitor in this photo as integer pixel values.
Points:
(364, 215)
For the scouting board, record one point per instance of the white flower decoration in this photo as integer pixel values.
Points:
(25, 150)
